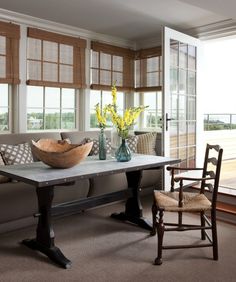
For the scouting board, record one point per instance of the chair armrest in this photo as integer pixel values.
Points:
(181, 187)
(183, 168)
(179, 178)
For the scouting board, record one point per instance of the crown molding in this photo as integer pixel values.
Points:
(214, 30)
(206, 32)
(19, 18)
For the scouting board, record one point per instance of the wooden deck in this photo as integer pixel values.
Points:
(226, 139)
(228, 174)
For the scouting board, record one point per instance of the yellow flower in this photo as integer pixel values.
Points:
(101, 115)
(114, 95)
(124, 123)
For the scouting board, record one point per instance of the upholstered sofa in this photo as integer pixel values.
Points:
(18, 201)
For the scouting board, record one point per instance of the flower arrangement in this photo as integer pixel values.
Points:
(123, 123)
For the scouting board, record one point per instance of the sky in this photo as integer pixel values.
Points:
(219, 88)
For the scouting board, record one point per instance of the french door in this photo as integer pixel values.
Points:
(181, 125)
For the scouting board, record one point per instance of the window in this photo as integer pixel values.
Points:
(152, 115)
(103, 98)
(9, 53)
(55, 60)
(9, 69)
(148, 69)
(111, 64)
(4, 108)
(55, 69)
(51, 108)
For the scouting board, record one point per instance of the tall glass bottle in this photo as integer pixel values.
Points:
(102, 145)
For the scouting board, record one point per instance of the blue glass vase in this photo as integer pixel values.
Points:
(123, 154)
(102, 145)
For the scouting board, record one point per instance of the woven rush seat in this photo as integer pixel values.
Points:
(192, 202)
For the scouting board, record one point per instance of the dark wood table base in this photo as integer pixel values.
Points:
(133, 209)
(139, 221)
(54, 253)
(44, 241)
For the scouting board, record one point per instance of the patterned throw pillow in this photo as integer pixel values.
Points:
(16, 154)
(95, 149)
(3, 179)
(147, 143)
(132, 142)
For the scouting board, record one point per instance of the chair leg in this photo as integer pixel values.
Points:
(203, 223)
(160, 234)
(214, 235)
(154, 219)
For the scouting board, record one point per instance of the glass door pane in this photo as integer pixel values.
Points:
(180, 97)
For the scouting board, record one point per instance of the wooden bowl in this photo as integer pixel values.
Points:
(60, 154)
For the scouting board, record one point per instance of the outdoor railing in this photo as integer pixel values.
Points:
(219, 121)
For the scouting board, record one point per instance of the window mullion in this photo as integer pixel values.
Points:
(60, 125)
(44, 110)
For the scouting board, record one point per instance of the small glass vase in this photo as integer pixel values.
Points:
(123, 154)
(115, 141)
(102, 145)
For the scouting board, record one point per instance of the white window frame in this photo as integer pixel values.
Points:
(76, 109)
(9, 110)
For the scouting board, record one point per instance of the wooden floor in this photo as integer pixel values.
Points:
(228, 174)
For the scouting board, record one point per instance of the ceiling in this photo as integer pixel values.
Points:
(128, 19)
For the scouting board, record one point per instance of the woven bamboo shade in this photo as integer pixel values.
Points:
(148, 70)
(9, 53)
(112, 64)
(55, 60)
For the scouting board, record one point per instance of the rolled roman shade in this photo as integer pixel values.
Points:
(55, 60)
(111, 64)
(9, 53)
(148, 68)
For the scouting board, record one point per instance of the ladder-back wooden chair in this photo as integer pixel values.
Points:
(179, 202)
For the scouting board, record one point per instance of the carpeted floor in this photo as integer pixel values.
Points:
(103, 249)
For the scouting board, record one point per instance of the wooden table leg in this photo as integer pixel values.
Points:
(133, 208)
(44, 241)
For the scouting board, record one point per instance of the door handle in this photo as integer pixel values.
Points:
(167, 120)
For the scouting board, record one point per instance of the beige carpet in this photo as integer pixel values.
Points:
(103, 249)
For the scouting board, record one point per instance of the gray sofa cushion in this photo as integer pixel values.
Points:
(98, 185)
(151, 178)
(17, 200)
(107, 184)
(78, 136)
(15, 138)
(3, 179)
(73, 192)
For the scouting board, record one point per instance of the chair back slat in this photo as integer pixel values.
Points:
(213, 161)
(212, 167)
(211, 173)
(209, 186)
(216, 147)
